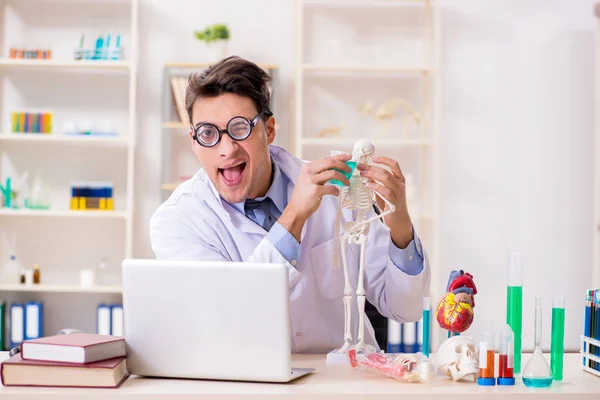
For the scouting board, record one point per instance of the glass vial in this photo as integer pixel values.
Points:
(506, 354)
(426, 327)
(557, 344)
(486, 359)
(514, 303)
(36, 274)
(537, 373)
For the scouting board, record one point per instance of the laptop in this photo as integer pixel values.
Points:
(208, 320)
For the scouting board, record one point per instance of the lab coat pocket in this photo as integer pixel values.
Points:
(329, 279)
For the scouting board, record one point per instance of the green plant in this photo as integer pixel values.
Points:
(213, 33)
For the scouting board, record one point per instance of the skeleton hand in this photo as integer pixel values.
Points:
(391, 185)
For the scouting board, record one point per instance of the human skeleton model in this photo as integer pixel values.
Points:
(358, 197)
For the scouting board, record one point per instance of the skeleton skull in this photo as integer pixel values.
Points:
(458, 357)
(362, 151)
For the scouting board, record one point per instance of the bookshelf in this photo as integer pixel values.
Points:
(369, 69)
(178, 161)
(596, 157)
(97, 95)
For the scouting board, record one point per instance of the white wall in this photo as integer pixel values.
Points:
(516, 134)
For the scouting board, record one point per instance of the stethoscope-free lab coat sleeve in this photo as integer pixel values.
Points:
(396, 294)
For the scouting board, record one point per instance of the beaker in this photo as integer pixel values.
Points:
(537, 372)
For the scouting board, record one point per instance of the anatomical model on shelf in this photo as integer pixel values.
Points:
(332, 130)
(455, 310)
(360, 198)
(387, 112)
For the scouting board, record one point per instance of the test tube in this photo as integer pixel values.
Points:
(486, 359)
(426, 318)
(557, 345)
(506, 351)
(514, 303)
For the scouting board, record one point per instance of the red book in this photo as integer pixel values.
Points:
(102, 374)
(76, 348)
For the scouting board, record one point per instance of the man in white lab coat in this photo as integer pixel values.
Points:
(253, 201)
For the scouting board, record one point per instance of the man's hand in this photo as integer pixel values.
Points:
(310, 189)
(391, 185)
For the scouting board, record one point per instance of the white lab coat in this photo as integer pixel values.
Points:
(195, 224)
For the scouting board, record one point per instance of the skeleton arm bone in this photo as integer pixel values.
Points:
(391, 209)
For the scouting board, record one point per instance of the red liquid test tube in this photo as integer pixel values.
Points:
(506, 357)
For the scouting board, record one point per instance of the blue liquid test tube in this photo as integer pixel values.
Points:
(426, 329)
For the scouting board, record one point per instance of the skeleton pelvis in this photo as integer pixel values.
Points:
(351, 229)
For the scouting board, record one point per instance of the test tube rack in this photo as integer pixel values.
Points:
(588, 358)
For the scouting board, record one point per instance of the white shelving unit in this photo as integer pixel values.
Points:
(63, 241)
(596, 221)
(369, 69)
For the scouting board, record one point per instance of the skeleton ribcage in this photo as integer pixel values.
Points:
(359, 195)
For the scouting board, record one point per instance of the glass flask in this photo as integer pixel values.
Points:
(537, 372)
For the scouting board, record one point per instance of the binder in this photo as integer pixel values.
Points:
(2, 323)
(34, 320)
(394, 337)
(103, 319)
(409, 337)
(116, 312)
(17, 324)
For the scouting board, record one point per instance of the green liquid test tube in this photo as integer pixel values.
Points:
(514, 303)
(557, 345)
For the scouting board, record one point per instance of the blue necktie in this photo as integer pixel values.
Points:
(267, 206)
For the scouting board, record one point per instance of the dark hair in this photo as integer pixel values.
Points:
(230, 75)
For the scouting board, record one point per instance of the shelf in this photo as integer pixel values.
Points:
(169, 186)
(184, 65)
(362, 3)
(327, 141)
(68, 65)
(175, 125)
(59, 288)
(366, 69)
(64, 139)
(24, 212)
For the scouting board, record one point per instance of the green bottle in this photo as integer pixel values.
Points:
(514, 303)
(557, 345)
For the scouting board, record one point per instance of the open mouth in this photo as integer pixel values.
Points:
(233, 175)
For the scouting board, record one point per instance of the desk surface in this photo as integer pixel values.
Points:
(330, 382)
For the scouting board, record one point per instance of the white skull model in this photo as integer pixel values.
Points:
(458, 358)
(362, 151)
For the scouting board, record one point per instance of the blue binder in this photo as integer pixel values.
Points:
(116, 320)
(34, 320)
(409, 337)
(394, 337)
(17, 324)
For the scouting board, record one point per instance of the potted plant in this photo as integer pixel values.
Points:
(216, 38)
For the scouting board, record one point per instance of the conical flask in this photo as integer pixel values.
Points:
(537, 372)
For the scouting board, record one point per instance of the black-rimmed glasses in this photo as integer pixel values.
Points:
(238, 128)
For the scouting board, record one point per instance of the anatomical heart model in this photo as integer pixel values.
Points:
(455, 310)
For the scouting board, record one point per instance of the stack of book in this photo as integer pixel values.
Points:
(74, 360)
(591, 332)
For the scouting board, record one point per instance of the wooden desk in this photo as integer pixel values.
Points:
(328, 382)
